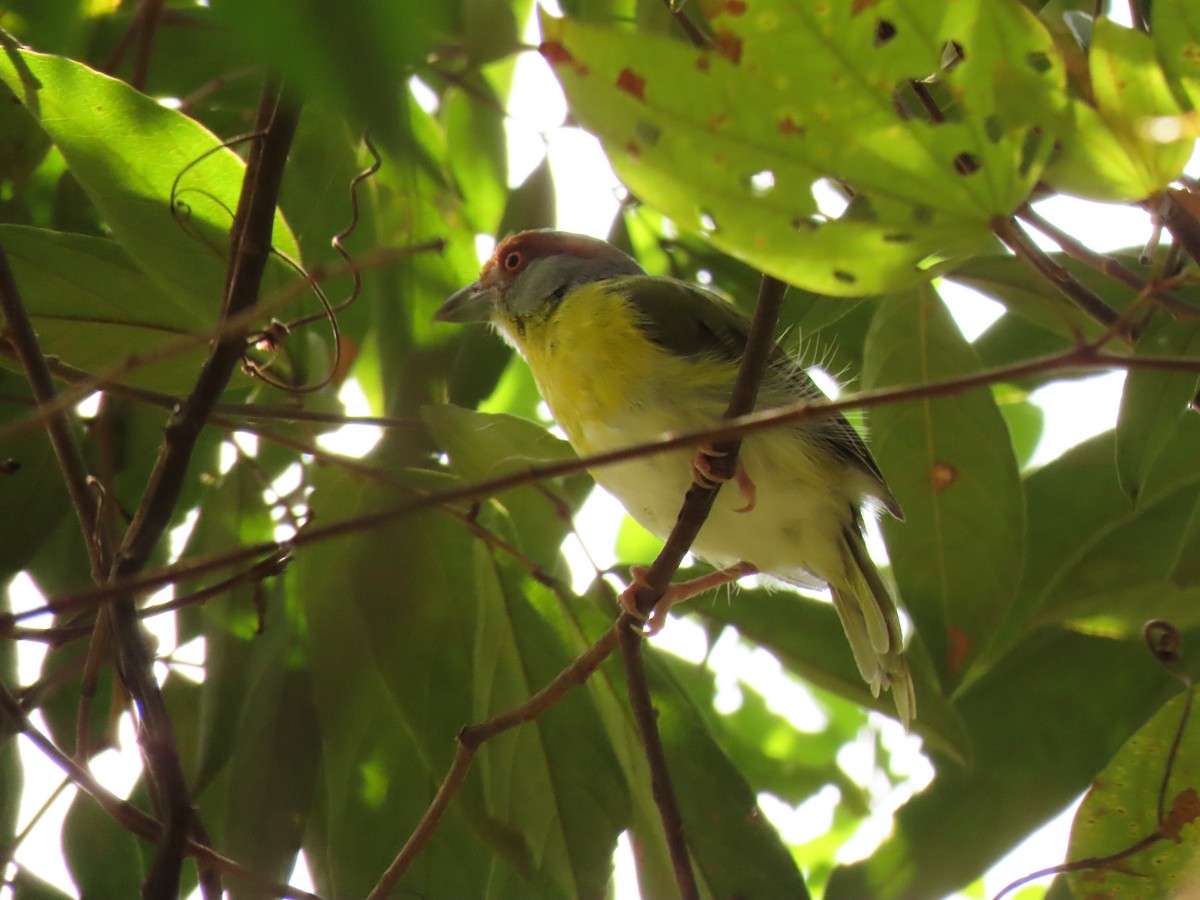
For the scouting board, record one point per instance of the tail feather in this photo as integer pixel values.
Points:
(872, 625)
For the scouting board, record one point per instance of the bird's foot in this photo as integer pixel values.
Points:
(676, 593)
(703, 475)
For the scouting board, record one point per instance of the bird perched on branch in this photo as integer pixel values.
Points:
(622, 357)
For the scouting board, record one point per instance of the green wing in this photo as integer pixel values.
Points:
(690, 321)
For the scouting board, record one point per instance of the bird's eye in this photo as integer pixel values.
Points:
(512, 262)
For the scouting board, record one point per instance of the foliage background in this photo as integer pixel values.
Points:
(335, 681)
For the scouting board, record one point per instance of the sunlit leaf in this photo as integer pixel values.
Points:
(1114, 151)
(1176, 36)
(737, 140)
(129, 157)
(808, 638)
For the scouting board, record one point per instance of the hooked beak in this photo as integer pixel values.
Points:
(474, 303)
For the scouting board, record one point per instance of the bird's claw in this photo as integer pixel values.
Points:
(703, 475)
(675, 593)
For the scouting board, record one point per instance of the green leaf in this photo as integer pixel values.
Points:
(484, 446)
(1186, 570)
(1043, 722)
(957, 558)
(554, 783)
(127, 151)
(103, 857)
(732, 140)
(12, 773)
(1024, 419)
(1036, 300)
(274, 764)
(93, 307)
(475, 152)
(1153, 402)
(36, 486)
(1112, 153)
(1176, 36)
(1122, 807)
(27, 886)
(1091, 553)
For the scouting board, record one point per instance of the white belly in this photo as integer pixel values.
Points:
(794, 530)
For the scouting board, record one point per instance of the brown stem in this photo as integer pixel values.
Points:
(689, 28)
(250, 243)
(1178, 214)
(1081, 357)
(149, 15)
(1106, 264)
(126, 814)
(18, 330)
(1015, 238)
(473, 736)
(235, 325)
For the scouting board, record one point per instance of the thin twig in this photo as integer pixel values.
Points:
(24, 340)
(1106, 264)
(148, 27)
(693, 32)
(1074, 290)
(696, 507)
(126, 814)
(250, 243)
(473, 736)
(232, 325)
(1181, 221)
(1081, 357)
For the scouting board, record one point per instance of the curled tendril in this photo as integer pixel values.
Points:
(328, 311)
(1162, 640)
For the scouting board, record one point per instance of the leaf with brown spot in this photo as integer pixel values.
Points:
(632, 83)
(958, 557)
(729, 45)
(941, 476)
(1122, 809)
(1185, 809)
(781, 64)
(555, 53)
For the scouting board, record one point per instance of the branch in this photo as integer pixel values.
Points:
(19, 331)
(1015, 238)
(250, 247)
(1181, 215)
(1107, 265)
(1082, 357)
(106, 379)
(126, 814)
(473, 736)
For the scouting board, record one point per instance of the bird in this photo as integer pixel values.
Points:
(622, 357)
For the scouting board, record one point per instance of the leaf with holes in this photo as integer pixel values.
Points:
(1127, 146)
(908, 107)
(951, 465)
(1123, 807)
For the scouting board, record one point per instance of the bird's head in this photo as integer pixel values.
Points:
(530, 273)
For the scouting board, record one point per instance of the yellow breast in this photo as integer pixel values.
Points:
(605, 382)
